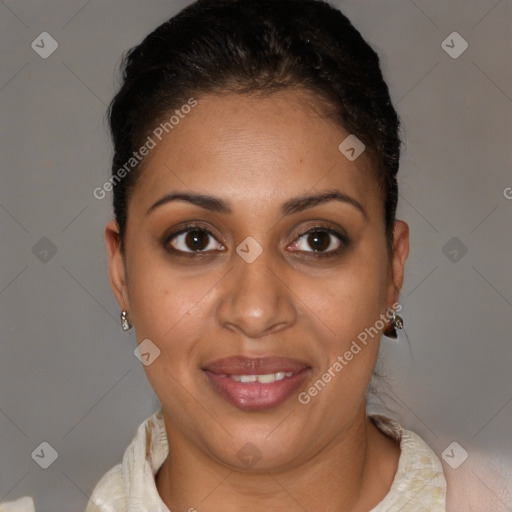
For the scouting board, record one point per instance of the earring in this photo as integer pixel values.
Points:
(397, 322)
(124, 321)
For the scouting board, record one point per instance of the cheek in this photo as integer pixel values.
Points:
(353, 298)
(348, 308)
(347, 311)
(165, 303)
(168, 309)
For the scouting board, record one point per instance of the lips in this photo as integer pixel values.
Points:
(240, 365)
(256, 383)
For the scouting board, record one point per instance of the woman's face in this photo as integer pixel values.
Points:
(247, 282)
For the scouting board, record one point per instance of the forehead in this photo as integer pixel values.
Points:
(254, 151)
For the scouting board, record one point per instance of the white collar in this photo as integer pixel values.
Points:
(419, 483)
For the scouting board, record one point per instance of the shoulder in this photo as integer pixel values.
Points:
(24, 504)
(130, 485)
(419, 484)
(108, 495)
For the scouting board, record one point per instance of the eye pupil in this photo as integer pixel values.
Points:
(319, 240)
(196, 240)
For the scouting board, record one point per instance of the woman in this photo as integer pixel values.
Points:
(256, 253)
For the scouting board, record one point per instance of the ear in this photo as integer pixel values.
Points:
(116, 267)
(400, 253)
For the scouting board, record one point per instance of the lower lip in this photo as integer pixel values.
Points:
(255, 396)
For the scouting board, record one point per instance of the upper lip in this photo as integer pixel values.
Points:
(243, 365)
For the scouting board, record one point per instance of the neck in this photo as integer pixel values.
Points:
(353, 472)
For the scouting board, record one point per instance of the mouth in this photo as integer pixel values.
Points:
(253, 384)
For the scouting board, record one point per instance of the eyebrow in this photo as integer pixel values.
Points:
(294, 205)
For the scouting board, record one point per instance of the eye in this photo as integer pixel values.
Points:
(323, 241)
(193, 239)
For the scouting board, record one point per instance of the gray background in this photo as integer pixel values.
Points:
(68, 375)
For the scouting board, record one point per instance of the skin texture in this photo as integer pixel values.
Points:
(257, 153)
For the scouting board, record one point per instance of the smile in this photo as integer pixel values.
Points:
(262, 379)
(252, 384)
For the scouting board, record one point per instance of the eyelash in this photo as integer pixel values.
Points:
(344, 241)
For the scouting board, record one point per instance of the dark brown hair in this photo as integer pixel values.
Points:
(256, 47)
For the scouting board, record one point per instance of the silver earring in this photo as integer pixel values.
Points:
(124, 321)
(397, 322)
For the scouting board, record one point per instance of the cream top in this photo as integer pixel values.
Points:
(419, 484)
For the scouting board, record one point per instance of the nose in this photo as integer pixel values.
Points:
(255, 299)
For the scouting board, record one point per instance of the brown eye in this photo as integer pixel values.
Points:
(194, 240)
(320, 241)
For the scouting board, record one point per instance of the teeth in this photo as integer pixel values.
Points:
(263, 379)
(268, 378)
